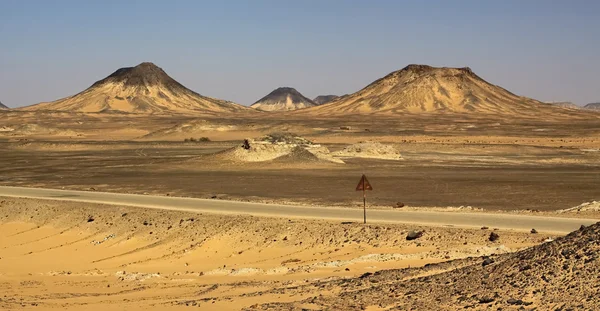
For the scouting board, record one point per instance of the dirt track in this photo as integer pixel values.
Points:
(505, 177)
(431, 218)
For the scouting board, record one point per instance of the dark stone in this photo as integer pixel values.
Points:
(487, 261)
(413, 235)
(246, 144)
(365, 275)
(493, 237)
(515, 302)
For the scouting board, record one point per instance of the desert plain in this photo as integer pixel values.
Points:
(483, 152)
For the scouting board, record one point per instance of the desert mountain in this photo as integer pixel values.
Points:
(283, 99)
(324, 99)
(422, 88)
(564, 105)
(2, 106)
(593, 106)
(144, 88)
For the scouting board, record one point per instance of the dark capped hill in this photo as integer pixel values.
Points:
(425, 89)
(283, 99)
(145, 88)
(324, 99)
(592, 106)
(2, 106)
(569, 105)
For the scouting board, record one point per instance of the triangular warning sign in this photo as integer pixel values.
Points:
(364, 184)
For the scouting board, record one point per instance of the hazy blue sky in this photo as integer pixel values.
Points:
(242, 50)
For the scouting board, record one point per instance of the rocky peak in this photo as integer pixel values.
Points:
(144, 74)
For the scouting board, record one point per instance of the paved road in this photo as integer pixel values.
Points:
(466, 220)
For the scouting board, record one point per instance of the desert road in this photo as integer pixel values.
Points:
(431, 218)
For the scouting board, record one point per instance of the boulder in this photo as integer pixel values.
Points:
(413, 235)
(493, 237)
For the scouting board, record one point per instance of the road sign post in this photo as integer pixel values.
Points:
(364, 185)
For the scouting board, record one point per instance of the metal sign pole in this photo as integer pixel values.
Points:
(364, 185)
(364, 202)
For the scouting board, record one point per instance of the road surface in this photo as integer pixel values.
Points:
(432, 218)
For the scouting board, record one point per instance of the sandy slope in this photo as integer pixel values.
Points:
(557, 275)
(77, 256)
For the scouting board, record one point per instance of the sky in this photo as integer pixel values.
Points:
(242, 50)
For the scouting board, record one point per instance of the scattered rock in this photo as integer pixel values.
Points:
(487, 261)
(413, 235)
(533, 231)
(365, 275)
(293, 260)
(399, 205)
(493, 237)
(515, 302)
(246, 144)
(486, 299)
(484, 228)
(90, 219)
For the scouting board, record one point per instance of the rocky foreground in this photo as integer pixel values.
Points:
(76, 256)
(559, 275)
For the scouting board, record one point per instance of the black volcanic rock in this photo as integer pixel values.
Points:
(324, 99)
(281, 94)
(593, 106)
(283, 98)
(143, 75)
